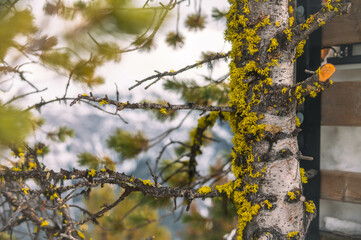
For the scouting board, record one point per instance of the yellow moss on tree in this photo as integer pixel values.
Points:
(310, 206)
(292, 234)
(303, 175)
(204, 190)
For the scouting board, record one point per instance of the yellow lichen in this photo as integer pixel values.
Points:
(102, 102)
(288, 32)
(310, 206)
(267, 204)
(273, 45)
(163, 110)
(204, 190)
(303, 175)
(299, 92)
(299, 48)
(54, 196)
(81, 235)
(25, 190)
(306, 25)
(244, 37)
(92, 172)
(313, 94)
(329, 6)
(290, 9)
(39, 151)
(291, 195)
(44, 223)
(321, 23)
(291, 21)
(32, 165)
(298, 122)
(147, 182)
(292, 234)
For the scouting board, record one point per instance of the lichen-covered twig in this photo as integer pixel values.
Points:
(103, 177)
(315, 21)
(71, 184)
(145, 105)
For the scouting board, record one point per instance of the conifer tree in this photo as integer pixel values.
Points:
(257, 99)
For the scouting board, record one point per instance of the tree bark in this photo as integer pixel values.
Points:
(267, 191)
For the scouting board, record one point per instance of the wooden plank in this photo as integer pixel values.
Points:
(344, 29)
(341, 104)
(341, 186)
(336, 236)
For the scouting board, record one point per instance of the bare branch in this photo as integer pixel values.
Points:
(43, 103)
(72, 72)
(107, 208)
(166, 9)
(159, 75)
(24, 95)
(155, 178)
(157, 139)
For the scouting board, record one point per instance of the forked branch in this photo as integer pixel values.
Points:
(331, 9)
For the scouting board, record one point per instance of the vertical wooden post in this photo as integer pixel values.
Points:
(309, 138)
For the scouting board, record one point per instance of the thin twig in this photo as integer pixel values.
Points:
(159, 75)
(155, 178)
(24, 95)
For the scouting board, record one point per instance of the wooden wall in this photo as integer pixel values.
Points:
(344, 29)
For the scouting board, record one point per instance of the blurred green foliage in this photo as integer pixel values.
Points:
(6, 236)
(116, 16)
(15, 125)
(61, 134)
(217, 14)
(176, 173)
(127, 144)
(191, 91)
(220, 220)
(94, 162)
(133, 219)
(14, 24)
(195, 22)
(175, 40)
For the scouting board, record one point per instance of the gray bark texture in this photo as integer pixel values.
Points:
(266, 41)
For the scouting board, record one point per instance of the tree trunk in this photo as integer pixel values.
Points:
(267, 191)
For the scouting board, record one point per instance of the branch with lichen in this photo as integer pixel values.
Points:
(331, 9)
(197, 135)
(160, 75)
(54, 194)
(146, 105)
(312, 85)
(94, 178)
(279, 98)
